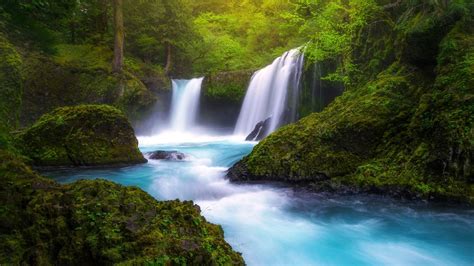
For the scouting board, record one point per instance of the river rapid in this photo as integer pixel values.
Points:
(276, 225)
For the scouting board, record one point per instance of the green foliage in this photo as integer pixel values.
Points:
(333, 28)
(153, 25)
(85, 135)
(239, 35)
(88, 57)
(90, 222)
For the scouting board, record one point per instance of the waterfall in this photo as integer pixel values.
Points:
(273, 93)
(185, 103)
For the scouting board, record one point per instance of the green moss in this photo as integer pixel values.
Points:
(135, 98)
(79, 74)
(83, 135)
(99, 222)
(227, 86)
(11, 84)
(84, 56)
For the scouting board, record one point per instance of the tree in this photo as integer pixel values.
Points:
(117, 65)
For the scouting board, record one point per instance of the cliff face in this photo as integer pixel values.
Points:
(81, 74)
(404, 125)
(99, 222)
(222, 97)
(11, 84)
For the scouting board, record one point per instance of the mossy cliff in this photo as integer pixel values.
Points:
(99, 222)
(11, 84)
(224, 91)
(227, 86)
(404, 125)
(84, 135)
(81, 74)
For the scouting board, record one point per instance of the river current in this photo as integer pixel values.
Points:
(272, 224)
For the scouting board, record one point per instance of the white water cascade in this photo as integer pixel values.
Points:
(273, 92)
(185, 103)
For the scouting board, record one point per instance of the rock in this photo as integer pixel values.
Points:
(84, 135)
(93, 222)
(260, 131)
(167, 155)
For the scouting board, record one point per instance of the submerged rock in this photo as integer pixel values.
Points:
(167, 155)
(93, 222)
(260, 131)
(84, 135)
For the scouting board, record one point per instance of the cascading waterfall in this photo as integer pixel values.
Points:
(273, 93)
(185, 103)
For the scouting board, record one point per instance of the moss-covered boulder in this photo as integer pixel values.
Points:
(99, 223)
(84, 135)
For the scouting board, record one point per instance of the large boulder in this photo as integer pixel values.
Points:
(99, 223)
(84, 135)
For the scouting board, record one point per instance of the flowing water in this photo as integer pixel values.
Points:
(273, 91)
(275, 225)
(185, 103)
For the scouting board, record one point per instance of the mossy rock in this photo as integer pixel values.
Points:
(99, 222)
(84, 135)
(11, 84)
(337, 140)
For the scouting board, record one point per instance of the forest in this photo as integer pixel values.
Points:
(236, 132)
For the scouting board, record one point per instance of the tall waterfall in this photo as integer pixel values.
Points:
(185, 103)
(273, 93)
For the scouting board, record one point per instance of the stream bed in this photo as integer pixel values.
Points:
(276, 225)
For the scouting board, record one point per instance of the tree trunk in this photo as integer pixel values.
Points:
(104, 17)
(117, 65)
(169, 61)
(72, 26)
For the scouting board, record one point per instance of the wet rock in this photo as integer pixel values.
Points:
(260, 130)
(167, 155)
